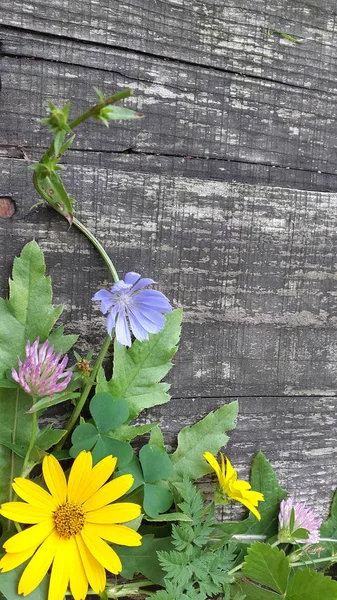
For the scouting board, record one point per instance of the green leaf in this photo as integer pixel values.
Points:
(157, 438)
(133, 468)
(62, 343)
(144, 559)
(108, 412)
(328, 530)
(106, 445)
(126, 433)
(9, 585)
(253, 592)
(48, 437)
(155, 463)
(168, 517)
(15, 428)
(48, 401)
(263, 479)
(157, 499)
(28, 314)
(139, 369)
(310, 585)
(268, 566)
(205, 435)
(117, 113)
(83, 438)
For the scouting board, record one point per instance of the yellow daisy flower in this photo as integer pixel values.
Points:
(69, 527)
(233, 487)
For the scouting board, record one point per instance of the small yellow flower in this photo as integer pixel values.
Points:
(69, 527)
(234, 488)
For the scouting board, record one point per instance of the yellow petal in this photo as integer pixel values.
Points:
(213, 462)
(99, 475)
(34, 494)
(116, 534)
(229, 471)
(109, 492)
(59, 576)
(121, 512)
(11, 561)
(79, 476)
(23, 512)
(249, 506)
(78, 578)
(55, 479)
(39, 565)
(31, 537)
(93, 569)
(100, 550)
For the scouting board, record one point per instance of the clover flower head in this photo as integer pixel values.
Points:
(70, 524)
(297, 523)
(42, 373)
(233, 488)
(128, 304)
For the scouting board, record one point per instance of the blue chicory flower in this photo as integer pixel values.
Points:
(129, 304)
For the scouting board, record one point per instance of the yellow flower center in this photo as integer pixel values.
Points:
(69, 519)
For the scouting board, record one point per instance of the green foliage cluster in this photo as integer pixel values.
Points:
(195, 569)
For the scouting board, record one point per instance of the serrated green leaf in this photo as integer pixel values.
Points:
(108, 412)
(144, 559)
(205, 435)
(328, 530)
(28, 314)
(139, 369)
(9, 585)
(155, 463)
(267, 566)
(310, 585)
(62, 343)
(157, 499)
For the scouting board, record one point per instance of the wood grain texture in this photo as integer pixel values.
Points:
(225, 193)
(254, 267)
(190, 110)
(228, 34)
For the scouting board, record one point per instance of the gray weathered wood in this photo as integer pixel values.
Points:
(190, 110)
(229, 35)
(254, 267)
(225, 193)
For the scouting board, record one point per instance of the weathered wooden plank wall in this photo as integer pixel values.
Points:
(225, 193)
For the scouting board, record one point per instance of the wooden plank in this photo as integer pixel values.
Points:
(228, 35)
(295, 434)
(253, 265)
(190, 110)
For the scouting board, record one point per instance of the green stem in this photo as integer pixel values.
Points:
(96, 109)
(85, 393)
(91, 112)
(27, 465)
(332, 558)
(98, 247)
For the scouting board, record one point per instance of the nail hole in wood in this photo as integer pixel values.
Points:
(7, 207)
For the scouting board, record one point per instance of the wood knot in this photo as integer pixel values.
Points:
(7, 207)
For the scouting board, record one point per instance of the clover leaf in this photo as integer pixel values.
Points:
(108, 414)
